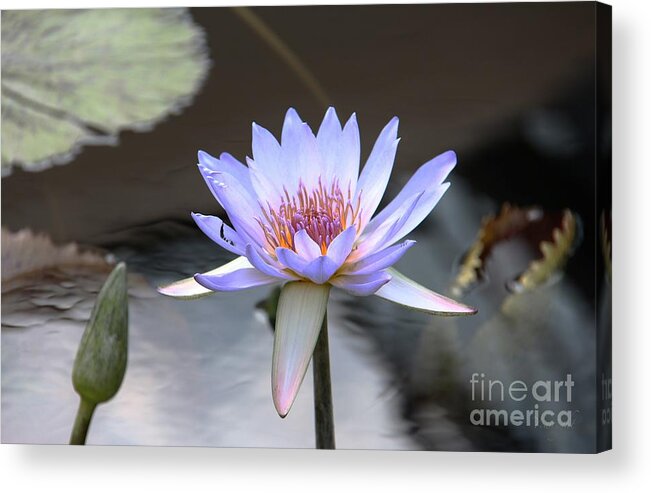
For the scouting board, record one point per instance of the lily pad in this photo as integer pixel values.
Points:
(76, 77)
(24, 253)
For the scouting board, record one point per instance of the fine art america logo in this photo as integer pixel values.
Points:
(516, 403)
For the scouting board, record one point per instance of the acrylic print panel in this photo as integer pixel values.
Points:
(240, 227)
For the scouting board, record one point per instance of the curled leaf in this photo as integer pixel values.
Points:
(550, 237)
(555, 253)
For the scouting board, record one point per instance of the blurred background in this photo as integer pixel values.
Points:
(512, 88)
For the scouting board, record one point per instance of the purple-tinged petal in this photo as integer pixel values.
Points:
(301, 309)
(213, 181)
(291, 126)
(347, 167)
(376, 172)
(267, 167)
(339, 150)
(241, 208)
(226, 164)
(414, 217)
(268, 191)
(300, 154)
(361, 285)
(222, 234)
(379, 260)
(379, 238)
(402, 221)
(320, 269)
(291, 260)
(404, 291)
(190, 289)
(427, 176)
(235, 281)
(305, 246)
(266, 152)
(264, 266)
(341, 246)
(328, 139)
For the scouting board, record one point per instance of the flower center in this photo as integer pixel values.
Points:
(323, 213)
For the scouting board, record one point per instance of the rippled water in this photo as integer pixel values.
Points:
(199, 371)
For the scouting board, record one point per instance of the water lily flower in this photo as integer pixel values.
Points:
(302, 216)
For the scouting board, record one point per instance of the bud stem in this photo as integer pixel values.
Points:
(82, 422)
(323, 416)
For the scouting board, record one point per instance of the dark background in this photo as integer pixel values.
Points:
(510, 87)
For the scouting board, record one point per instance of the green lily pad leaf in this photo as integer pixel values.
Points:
(76, 77)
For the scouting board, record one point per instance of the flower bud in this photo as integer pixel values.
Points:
(102, 355)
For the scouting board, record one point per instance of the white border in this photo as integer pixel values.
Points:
(46, 468)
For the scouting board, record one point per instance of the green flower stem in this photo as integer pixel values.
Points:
(323, 416)
(82, 422)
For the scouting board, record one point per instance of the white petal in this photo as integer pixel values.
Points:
(190, 289)
(301, 308)
(400, 289)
